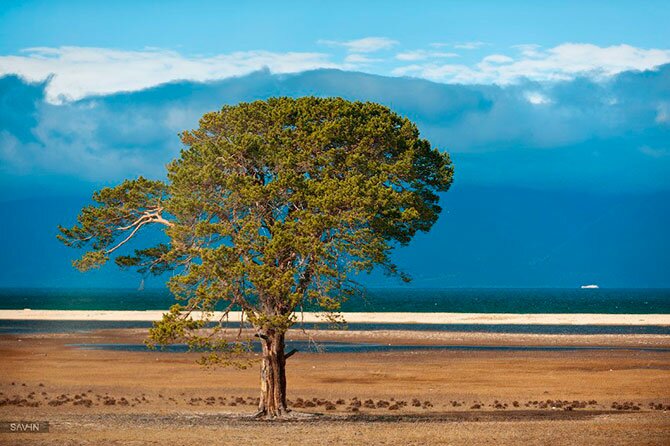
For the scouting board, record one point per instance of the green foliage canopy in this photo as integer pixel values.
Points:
(273, 204)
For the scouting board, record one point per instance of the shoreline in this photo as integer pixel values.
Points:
(367, 317)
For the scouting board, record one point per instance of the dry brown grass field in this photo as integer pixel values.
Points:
(595, 397)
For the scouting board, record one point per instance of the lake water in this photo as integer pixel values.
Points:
(46, 326)
(351, 347)
(457, 300)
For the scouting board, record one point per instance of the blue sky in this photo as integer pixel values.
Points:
(213, 27)
(557, 115)
(146, 43)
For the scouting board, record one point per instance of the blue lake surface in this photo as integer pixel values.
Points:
(350, 347)
(457, 300)
(46, 326)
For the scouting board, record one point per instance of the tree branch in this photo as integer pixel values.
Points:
(123, 242)
(148, 218)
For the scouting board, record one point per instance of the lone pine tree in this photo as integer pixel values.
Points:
(272, 205)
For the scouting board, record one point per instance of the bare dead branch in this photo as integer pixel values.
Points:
(123, 242)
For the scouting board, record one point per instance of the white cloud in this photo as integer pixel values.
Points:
(78, 72)
(365, 45)
(663, 113)
(106, 138)
(469, 45)
(529, 49)
(11, 151)
(497, 58)
(422, 55)
(562, 62)
(460, 46)
(360, 59)
(654, 152)
(407, 70)
(435, 72)
(536, 98)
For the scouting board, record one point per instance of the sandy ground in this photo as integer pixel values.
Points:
(363, 317)
(443, 397)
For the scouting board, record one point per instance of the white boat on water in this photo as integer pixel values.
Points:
(589, 287)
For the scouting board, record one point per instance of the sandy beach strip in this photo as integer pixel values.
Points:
(392, 318)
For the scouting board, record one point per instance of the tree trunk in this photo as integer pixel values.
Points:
(273, 376)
